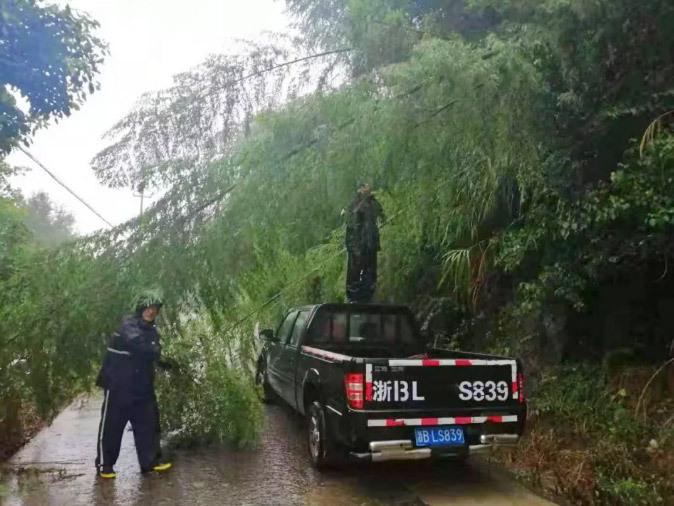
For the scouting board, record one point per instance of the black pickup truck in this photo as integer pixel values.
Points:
(372, 389)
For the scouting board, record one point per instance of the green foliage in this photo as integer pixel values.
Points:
(583, 398)
(52, 315)
(628, 491)
(50, 56)
(58, 352)
(595, 418)
(148, 297)
(207, 399)
(611, 229)
(13, 236)
(382, 32)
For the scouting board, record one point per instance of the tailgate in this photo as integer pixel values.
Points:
(445, 386)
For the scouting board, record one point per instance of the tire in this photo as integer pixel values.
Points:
(323, 450)
(265, 391)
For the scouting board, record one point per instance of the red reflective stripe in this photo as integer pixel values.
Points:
(368, 391)
(325, 354)
(464, 420)
(430, 362)
(463, 361)
(520, 387)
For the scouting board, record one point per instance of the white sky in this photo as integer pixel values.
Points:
(149, 41)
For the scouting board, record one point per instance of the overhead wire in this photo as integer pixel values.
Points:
(55, 178)
(278, 66)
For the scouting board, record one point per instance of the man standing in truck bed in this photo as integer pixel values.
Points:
(362, 245)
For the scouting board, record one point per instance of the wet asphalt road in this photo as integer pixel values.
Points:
(56, 468)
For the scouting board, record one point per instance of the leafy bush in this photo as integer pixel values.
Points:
(219, 406)
(208, 396)
(628, 492)
(586, 443)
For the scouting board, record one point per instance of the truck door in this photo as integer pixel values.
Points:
(275, 353)
(288, 361)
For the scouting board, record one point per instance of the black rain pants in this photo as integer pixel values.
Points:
(116, 411)
(361, 276)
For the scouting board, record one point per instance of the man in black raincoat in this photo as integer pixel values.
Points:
(362, 244)
(127, 377)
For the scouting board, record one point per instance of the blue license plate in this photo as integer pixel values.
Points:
(444, 435)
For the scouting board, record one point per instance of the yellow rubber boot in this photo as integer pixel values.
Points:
(107, 473)
(163, 466)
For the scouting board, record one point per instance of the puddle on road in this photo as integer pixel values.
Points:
(277, 473)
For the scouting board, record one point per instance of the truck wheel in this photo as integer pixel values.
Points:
(323, 450)
(264, 388)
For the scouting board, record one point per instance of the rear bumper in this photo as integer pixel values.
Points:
(489, 441)
(364, 441)
(381, 451)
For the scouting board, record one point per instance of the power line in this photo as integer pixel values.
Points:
(51, 174)
(290, 62)
(271, 68)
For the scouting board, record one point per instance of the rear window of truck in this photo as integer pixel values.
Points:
(375, 327)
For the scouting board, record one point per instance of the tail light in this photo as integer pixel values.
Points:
(353, 384)
(520, 387)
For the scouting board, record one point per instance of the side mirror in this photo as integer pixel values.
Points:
(267, 335)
